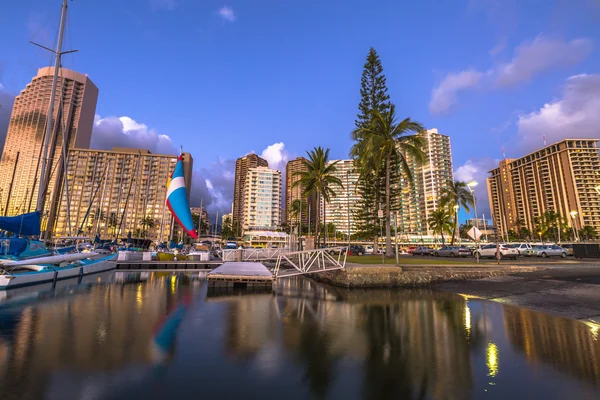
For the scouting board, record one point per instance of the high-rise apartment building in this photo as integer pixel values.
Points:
(418, 199)
(262, 199)
(342, 208)
(563, 177)
(73, 119)
(114, 192)
(242, 165)
(309, 205)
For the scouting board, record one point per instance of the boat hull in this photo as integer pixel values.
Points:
(88, 267)
(130, 255)
(161, 256)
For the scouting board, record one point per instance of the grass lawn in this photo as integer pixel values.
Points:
(410, 260)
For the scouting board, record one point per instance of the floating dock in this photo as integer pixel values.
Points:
(240, 274)
(140, 265)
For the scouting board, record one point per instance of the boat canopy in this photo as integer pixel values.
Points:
(24, 224)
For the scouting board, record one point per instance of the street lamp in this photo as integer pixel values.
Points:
(573, 215)
(471, 186)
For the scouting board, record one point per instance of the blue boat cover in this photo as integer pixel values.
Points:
(24, 224)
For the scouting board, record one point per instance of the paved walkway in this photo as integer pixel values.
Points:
(567, 290)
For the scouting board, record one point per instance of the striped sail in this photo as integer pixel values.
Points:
(177, 200)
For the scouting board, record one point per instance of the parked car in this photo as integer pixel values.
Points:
(411, 249)
(550, 251)
(522, 248)
(452, 251)
(568, 248)
(357, 250)
(369, 249)
(337, 250)
(423, 251)
(489, 251)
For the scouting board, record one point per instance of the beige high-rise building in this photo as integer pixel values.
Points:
(262, 199)
(420, 198)
(342, 208)
(20, 168)
(242, 165)
(309, 205)
(563, 177)
(118, 189)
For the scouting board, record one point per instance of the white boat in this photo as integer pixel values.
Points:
(198, 256)
(56, 259)
(34, 274)
(130, 255)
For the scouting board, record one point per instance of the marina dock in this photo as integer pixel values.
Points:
(240, 274)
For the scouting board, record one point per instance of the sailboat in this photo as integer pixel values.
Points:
(28, 262)
(179, 207)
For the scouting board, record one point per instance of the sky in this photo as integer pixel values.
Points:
(279, 77)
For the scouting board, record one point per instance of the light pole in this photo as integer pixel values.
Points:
(348, 203)
(456, 208)
(471, 186)
(573, 225)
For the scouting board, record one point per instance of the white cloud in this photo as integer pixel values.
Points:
(444, 95)
(227, 14)
(575, 114)
(109, 132)
(276, 155)
(539, 55)
(530, 58)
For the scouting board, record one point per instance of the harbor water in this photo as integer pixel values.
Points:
(126, 335)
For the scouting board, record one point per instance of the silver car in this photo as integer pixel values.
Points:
(550, 251)
(452, 251)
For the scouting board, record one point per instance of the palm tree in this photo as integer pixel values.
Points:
(318, 177)
(588, 232)
(296, 209)
(146, 222)
(455, 195)
(440, 221)
(385, 141)
(554, 222)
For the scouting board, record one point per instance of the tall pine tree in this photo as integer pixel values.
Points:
(371, 185)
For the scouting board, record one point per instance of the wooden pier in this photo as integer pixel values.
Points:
(240, 274)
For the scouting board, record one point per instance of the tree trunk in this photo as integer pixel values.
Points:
(388, 233)
(443, 242)
(317, 220)
(454, 228)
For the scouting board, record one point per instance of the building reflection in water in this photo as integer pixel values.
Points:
(567, 345)
(383, 344)
(409, 343)
(103, 329)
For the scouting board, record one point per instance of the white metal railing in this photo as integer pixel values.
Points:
(251, 254)
(311, 261)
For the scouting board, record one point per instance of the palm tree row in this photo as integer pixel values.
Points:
(455, 195)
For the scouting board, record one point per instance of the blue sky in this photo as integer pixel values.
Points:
(226, 78)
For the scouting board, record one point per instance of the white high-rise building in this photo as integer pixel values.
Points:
(342, 208)
(262, 199)
(419, 199)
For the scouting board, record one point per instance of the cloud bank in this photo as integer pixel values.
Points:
(109, 132)
(575, 114)
(531, 58)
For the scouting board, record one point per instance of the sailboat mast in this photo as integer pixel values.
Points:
(49, 125)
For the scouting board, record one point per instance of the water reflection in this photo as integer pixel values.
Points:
(164, 335)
